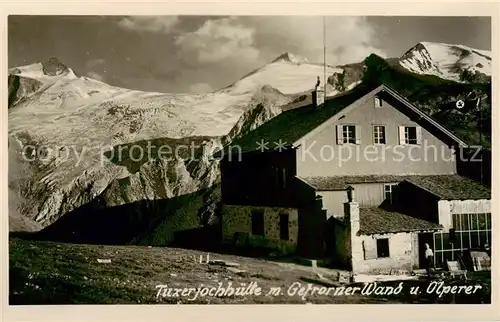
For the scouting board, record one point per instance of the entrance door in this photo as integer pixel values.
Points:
(424, 238)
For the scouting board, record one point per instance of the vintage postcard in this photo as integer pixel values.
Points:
(250, 158)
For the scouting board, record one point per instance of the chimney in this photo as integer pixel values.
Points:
(318, 97)
(351, 219)
(351, 216)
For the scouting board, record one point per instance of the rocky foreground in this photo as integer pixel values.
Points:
(57, 273)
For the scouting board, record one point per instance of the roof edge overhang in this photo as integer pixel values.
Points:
(360, 232)
(466, 199)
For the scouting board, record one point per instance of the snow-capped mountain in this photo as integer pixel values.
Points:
(446, 61)
(71, 120)
(61, 124)
(289, 74)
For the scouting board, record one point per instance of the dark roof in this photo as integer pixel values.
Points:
(375, 220)
(342, 182)
(291, 125)
(444, 186)
(451, 187)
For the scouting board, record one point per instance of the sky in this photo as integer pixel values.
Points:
(177, 54)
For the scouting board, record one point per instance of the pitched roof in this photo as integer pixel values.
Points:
(375, 220)
(294, 124)
(451, 187)
(425, 116)
(333, 183)
(291, 125)
(444, 186)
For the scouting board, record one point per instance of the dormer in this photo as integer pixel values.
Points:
(378, 102)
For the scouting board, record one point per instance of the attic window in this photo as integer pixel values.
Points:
(378, 102)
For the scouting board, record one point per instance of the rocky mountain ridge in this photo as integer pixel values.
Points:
(66, 131)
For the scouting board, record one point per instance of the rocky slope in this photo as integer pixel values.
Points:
(455, 63)
(452, 62)
(288, 73)
(438, 97)
(75, 143)
(61, 125)
(434, 77)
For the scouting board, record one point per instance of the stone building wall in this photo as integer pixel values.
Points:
(401, 254)
(238, 219)
(363, 248)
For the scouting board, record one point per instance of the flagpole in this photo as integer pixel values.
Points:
(324, 57)
(480, 139)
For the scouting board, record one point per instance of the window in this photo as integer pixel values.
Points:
(349, 134)
(276, 173)
(383, 247)
(410, 135)
(284, 232)
(471, 231)
(389, 192)
(281, 175)
(379, 134)
(378, 102)
(258, 223)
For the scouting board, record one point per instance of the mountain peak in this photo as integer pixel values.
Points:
(447, 61)
(291, 58)
(456, 49)
(418, 46)
(53, 67)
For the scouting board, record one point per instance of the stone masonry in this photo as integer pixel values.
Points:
(238, 219)
(401, 248)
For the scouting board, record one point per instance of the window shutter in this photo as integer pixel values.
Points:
(358, 134)
(419, 135)
(339, 134)
(402, 135)
(370, 249)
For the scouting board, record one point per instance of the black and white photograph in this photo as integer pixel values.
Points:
(249, 159)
